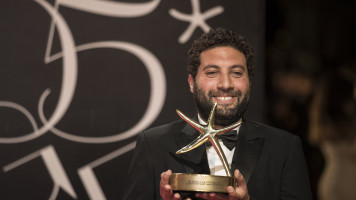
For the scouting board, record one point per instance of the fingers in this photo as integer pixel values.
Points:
(165, 177)
(165, 189)
(240, 192)
(240, 180)
(176, 196)
(211, 196)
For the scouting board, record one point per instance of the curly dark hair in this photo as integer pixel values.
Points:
(216, 38)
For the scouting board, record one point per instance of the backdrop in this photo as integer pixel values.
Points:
(79, 79)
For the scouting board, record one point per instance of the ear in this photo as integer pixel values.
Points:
(191, 83)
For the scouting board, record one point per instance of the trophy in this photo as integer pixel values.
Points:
(204, 182)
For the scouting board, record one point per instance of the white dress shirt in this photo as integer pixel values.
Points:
(215, 165)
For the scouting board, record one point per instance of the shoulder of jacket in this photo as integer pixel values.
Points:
(269, 131)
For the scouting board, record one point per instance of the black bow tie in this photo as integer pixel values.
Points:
(229, 139)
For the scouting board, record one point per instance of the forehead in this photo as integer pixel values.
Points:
(222, 55)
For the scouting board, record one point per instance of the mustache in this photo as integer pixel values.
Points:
(237, 93)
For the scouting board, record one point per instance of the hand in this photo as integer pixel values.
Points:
(238, 193)
(165, 189)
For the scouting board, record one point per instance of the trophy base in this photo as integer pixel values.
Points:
(200, 183)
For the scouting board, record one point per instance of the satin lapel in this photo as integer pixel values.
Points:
(194, 161)
(248, 150)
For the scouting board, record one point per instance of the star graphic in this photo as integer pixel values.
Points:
(208, 132)
(196, 19)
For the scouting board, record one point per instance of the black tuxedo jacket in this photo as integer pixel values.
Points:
(271, 161)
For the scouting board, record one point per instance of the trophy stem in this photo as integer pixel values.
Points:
(219, 151)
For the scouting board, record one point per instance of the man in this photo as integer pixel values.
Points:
(267, 163)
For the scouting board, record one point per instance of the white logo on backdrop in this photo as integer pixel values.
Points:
(196, 19)
(69, 81)
(69, 55)
(54, 167)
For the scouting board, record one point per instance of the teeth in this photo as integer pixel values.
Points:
(224, 98)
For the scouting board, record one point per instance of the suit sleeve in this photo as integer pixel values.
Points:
(295, 181)
(141, 179)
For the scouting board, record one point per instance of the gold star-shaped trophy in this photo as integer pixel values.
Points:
(204, 182)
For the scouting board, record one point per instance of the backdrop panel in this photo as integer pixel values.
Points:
(79, 79)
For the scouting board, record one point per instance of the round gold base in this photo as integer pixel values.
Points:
(200, 182)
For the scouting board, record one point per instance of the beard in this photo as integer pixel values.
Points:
(224, 115)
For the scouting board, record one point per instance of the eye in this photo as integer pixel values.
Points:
(211, 73)
(237, 73)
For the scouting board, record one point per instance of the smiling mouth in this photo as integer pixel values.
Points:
(225, 100)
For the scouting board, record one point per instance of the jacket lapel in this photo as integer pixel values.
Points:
(248, 150)
(194, 161)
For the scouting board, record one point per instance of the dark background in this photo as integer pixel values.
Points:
(303, 40)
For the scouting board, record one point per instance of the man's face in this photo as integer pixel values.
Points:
(222, 77)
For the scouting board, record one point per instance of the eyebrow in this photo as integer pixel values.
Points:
(210, 66)
(240, 67)
(232, 67)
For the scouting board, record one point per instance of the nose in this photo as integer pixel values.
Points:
(225, 82)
